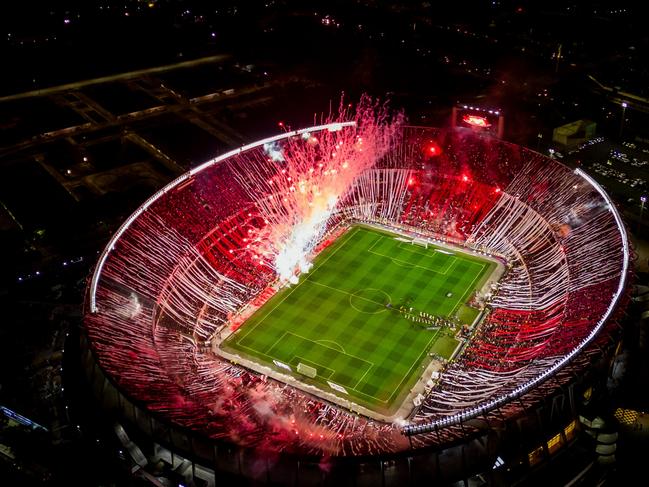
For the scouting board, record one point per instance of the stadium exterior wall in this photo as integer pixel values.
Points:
(526, 416)
(487, 438)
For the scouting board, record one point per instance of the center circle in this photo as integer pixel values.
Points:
(371, 301)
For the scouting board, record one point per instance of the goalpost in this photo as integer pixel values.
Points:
(307, 370)
(420, 241)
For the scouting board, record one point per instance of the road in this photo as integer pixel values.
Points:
(116, 77)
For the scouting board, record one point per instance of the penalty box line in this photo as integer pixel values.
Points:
(368, 364)
(371, 364)
(426, 253)
(304, 360)
(405, 263)
(426, 349)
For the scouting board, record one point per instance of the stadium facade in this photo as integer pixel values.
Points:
(181, 267)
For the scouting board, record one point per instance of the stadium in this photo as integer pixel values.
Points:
(357, 300)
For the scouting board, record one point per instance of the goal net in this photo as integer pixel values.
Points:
(420, 241)
(307, 370)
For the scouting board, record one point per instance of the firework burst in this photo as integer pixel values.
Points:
(305, 177)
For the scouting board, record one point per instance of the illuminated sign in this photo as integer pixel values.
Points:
(476, 121)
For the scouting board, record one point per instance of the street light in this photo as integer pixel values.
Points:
(643, 200)
(624, 105)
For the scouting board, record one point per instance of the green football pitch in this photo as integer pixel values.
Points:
(355, 318)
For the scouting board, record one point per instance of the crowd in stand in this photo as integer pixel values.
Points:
(188, 262)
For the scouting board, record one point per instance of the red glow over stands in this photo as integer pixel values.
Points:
(189, 266)
(476, 121)
(431, 149)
